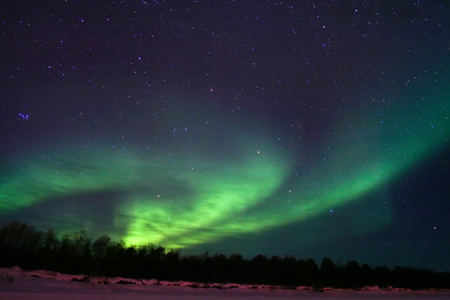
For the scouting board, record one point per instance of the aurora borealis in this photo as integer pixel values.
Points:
(281, 128)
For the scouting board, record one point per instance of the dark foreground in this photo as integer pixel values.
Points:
(19, 284)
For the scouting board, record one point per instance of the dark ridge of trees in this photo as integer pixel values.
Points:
(77, 253)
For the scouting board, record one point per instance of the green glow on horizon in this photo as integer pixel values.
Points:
(188, 199)
(219, 196)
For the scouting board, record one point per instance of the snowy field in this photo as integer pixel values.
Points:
(18, 284)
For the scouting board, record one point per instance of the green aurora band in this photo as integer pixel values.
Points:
(189, 198)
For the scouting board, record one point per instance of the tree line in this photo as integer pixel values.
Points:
(77, 253)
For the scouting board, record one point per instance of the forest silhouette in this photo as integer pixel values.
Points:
(77, 253)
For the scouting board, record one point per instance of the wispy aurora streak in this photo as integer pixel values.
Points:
(188, 198)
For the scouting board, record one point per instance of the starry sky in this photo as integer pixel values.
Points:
(306, 128)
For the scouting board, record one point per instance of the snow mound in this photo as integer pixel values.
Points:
(41, 284)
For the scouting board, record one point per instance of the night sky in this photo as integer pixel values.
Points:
(306, 128)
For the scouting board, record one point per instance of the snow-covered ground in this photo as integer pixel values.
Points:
(18, 284)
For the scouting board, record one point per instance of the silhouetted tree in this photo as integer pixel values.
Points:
(23, 245)
(258, 269)
(220, 269)
(99, 250)
(383, 276)
(329, 272)
(51, 241)
(308, 272)
(352, 275)
(171, 262)
(236, 267)
(289, 274)
(114, 258)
